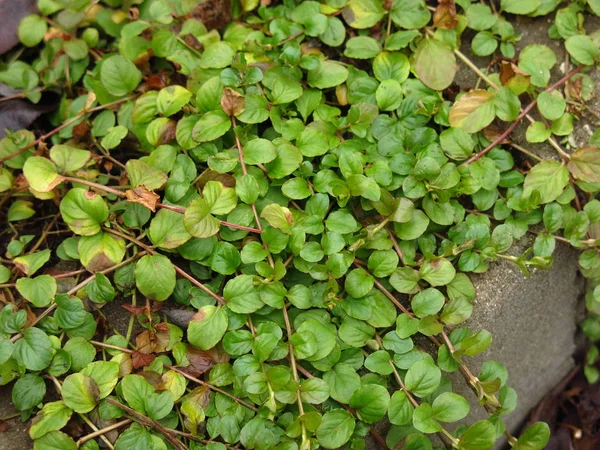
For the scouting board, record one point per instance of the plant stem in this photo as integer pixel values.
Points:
(76, 288)
(212, 388)
(95, 434)
(68, 123)
(244, 169)
(387, 293)
(147, 421)
(177, 268)
(83, 416)
(288, 327)
(177, 209)
(523, 113)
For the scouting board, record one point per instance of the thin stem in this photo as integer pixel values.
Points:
(20, 95)
(523, 113)
(177, 209)
(63, 126)
(177, 269)
(76, 288)
(288, 327)
(525, 151)
(147, 421)
(387, 293)
(83, 416)
(212, 388)
(95, 434)
(244, 169)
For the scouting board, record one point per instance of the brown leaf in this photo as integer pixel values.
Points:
(584, 164)
(213, 13)
(146, 342)
(143, 196)
(157, 81)
(3, 426)
(445, 15)
(135, 310)
(574, 88)
(202, 361)
(142, 360)
(511, 75)
(212, 175)
(232, 102)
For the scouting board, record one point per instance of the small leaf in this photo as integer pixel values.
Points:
(41, 174)
(435, 64)
(207, 327)
(585, 164)
(473, 111)
(155, 277)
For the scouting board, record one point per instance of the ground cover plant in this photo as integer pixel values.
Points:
(289, 201)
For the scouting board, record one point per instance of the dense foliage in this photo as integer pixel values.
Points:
(290, 208)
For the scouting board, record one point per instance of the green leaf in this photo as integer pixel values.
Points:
(135, 391)
(142, 174)
(211, 126)
(28, 392)
(207, 327)
(83, 211)
(582, 48)
(314, 391)
(358, 283)
(80, 392)
(217, 56)
(32, 30)
(435, 64)
(520, 6)
(39, 290)
(423, 419)
(450, 407)
(105, 374)
(480, 436)
(423, 378)
(370, 402)
(67, 158)
(335, 429)
(198, 221)
(328, 74)
(362, 47)
(551, 104)
(379, 362)
(113, 137)
(437, 272)
(34, 349)
(241, 295)
(55, 440)
(473, 111)
(52, 417)
(41, 174)
(135, 438)
(172, 99)
(101, 251)
(119, 76)
(155, 277)
(278, 217)
(343, 381)
(363, 14)
(535, 437)
(549, 178)
(427, 302)
(259, 151)
(400, 410)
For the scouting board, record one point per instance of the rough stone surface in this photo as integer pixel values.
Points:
(533, 322)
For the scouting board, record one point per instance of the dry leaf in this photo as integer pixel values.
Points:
(143, 196)
(445, 15)
(232, 102)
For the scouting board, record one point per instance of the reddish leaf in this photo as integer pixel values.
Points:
(141, 359)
